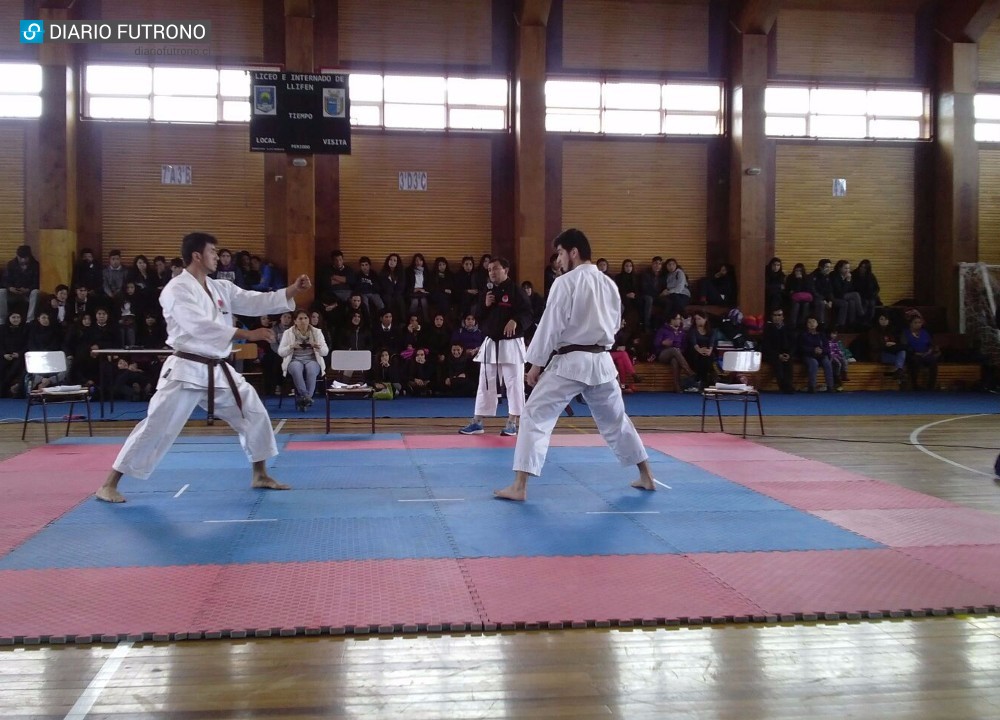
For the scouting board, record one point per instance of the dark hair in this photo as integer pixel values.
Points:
(527, 284)
(62, 287)
(502, 262)
(192, 243)
(821, 263)
(176, 262)
(365, 259)
(656, 259)
(24, 251)
(336, 253)
(118, 253)
(573, 238)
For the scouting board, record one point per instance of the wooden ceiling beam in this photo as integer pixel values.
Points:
(755, 17)
(966, 20)
(533, 12)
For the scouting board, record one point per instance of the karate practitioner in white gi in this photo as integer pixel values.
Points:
(199, 315)
(582, 315)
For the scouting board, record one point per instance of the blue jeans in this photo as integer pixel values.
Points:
(812, 365)
(304, 377)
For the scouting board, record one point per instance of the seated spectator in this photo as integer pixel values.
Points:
(88, 273)
(802, 298)
(623, 358)
(130, 382)
(469, 336)
(113, 277)
(44, 336)
(227, 268)
(385, 375)
(418, 287)
(151, 332)
(537, 308)
(162, 273)
(21, 283)
(920, 352)
(843, 290)
(368, 285)
(393, 285)
(778, 347)
(884, 346)
(13, 345)
(355, 303)
(412, 337)
(719, 288)
(340, 278)
(303, 348)
(703, 344)
(654, 289)
(142, 277)
(466, 284)
(677, 290)
(81, 304)
(59, 308)
(669, 346)
(630, 289)
(460, 378)
(441, 286)
(602, 265)
(774, 285)
(867, 287)
(355, 335)
(838, 358)
(266, 272)
(316, 320)
(438, 340)
(420, 374)
(815, 353)
(386, 336)
(552, 271)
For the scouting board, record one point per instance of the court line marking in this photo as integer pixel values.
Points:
(916, 434)
(662, 483)
(243, 521)
(93, 691)
(182, 490)
(281, 424)
(434, 500)
(622, 512)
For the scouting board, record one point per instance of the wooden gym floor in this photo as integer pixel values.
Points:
(913, 669)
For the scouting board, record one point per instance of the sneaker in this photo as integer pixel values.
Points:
(509, 431)
(473, 428)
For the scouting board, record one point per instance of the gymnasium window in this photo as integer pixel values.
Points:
(987, 111)
(429, 102)
(846, 113)
(166, 94)
(633, 108)
(20, 90)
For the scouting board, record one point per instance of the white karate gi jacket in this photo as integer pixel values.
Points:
(582, 308)
(201, 324)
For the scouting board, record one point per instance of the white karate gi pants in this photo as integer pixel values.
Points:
(171, 407)
(547, 401)
(488, 394)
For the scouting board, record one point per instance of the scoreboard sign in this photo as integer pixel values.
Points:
(299, 113)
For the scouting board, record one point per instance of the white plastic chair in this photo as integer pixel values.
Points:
(52, 363)
(342, 362)
(744, 362)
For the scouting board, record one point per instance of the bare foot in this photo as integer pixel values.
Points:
(644, 483)
(267, 482)
(109, 494)
(511, 493)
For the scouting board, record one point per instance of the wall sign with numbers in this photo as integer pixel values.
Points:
(175, 174)
(416, 180)
(299, 113)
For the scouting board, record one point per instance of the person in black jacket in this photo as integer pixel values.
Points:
(779, 348)
(503, 315)
(21, 283)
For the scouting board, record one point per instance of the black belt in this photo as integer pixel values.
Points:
(580, 348)
(212, 363)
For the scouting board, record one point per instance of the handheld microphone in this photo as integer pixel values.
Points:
(489, 287)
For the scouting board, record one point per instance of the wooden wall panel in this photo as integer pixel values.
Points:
(989, 54)
(874, 220)
(989, 206)
(142, 216)
(12, 146)
(451, 218)
(413, 32)
(237, 29)
(637, 199)
(636, 35)
(857, 45)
